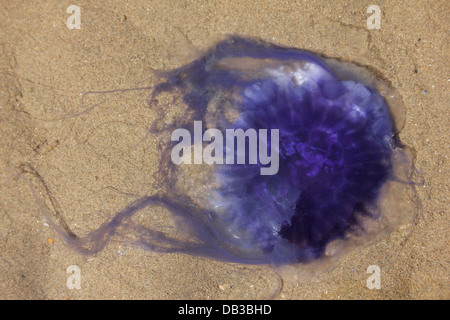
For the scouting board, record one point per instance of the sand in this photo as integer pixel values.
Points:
(83, 149)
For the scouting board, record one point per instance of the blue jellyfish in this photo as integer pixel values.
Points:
(311, 150)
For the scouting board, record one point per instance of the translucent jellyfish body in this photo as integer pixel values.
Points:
(313, 157)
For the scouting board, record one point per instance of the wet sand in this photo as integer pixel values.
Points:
(83, 148)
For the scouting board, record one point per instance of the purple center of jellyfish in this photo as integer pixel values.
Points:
(335, 148)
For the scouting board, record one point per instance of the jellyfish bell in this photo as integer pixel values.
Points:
(338, 149)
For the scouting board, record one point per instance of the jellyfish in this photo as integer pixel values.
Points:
(278, 153)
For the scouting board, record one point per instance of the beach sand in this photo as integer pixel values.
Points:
(84, 148)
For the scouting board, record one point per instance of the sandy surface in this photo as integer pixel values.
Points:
(84, 149)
